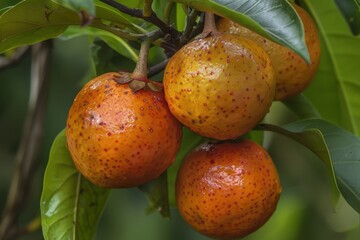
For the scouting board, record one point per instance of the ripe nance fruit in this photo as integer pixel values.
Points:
(118, 137)
(219, 86)
(227, 190)
(292, 73)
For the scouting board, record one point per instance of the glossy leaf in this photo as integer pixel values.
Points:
(32, 21)
(121, 20)
(180, 17)
(105, 59)
(159, 6)
(190, 140)
(128, 23)
(4, 10)
(118, 44)
(77, 6)
(70, 205)
(338, 148)
(274, 19)
(335, 89)
(156, 191)
(351, 11)
(302, 107)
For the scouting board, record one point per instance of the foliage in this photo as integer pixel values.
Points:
(71, 206)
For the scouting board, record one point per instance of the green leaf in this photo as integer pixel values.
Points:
(78, 6)
(336, 86)
(338, 148)
(115, 17)
(118, 44)
(302, 107)
(274, 19)
(159, 6)
(105, 59)
(70, 205)
(256, 136)
(156, 191)
(351, 11)
(33, 21)
(133, 3)
(189, 141)
(180, 17)
(4, 10)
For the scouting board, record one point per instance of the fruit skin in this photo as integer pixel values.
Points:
(293, 74)
(219, 86)
(227, 190)
(119, 138)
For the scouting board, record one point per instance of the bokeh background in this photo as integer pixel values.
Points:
(307, 207)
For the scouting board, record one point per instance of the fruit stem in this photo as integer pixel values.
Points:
(210, 25)
(140, 71)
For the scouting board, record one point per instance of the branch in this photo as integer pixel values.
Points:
(118, 32)
(199, 27)
(157, 68)
(190, 22)
(26, 159)
(152, 18)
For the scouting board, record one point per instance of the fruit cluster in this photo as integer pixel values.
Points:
(220, 85)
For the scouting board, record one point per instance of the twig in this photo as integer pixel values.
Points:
(118, 32)
(169, 47)
(27, 155)
(190, 22)
(8, 61)
(199, 27)
(157, 68)
(152, 18)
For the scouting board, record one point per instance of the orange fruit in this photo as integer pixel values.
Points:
(219, 86)
(293, 74)
(227, 190)
(120, 138)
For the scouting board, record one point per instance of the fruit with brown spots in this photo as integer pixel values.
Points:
(227, 190)
(120, 138)
(219, 86)
(293, 74)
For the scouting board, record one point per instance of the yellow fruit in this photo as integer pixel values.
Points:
(227, 190)
(293, 74)
(219, 86)
(120, 138)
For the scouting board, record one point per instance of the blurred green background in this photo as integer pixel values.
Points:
(307, 208)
